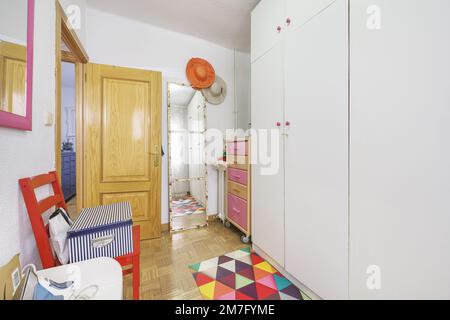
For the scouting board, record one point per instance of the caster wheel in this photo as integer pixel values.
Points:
(227, 224)
(245, 240)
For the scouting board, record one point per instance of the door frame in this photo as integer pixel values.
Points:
(78, 56)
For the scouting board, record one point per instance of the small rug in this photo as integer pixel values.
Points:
(243, 275)
(187, 206)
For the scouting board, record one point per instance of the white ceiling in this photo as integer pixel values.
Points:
(180, 95)
(224, 22)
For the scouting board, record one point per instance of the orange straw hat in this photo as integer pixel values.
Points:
(200, 73)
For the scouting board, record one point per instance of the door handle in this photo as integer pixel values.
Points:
(156, 155)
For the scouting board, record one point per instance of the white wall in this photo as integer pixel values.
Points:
(24, 154)
(118, 41)
(68, 108)
(243, 96)
(13, 21)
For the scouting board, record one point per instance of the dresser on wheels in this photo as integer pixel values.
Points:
(238, 184)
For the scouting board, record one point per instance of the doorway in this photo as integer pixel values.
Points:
(70, 60)
(187, 163)
(68, 135)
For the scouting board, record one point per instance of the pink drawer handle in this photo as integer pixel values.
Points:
(288, 21)
(236, 177)
(236, 210)
(278, 29)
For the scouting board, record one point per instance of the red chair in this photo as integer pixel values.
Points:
(35, 210)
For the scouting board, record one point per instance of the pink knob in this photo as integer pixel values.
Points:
(278, 124)
(279, 29)
(288, 124)
(288, 21)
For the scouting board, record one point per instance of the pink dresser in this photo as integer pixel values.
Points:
(239, 186)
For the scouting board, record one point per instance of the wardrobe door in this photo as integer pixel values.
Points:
(268, 172)
(400, 149)
(316, 81)
(298, 12)
(267, 18)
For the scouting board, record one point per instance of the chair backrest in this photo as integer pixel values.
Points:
(37, 208)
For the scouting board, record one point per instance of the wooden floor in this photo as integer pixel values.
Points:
(164, 262)
(72, 208)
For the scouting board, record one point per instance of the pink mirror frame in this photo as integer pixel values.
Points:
(10, 120)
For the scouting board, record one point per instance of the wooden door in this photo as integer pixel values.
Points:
(122, 142)
(266, 18)
(316, 80)
(268, 187)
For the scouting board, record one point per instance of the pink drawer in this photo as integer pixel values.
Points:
(239, 176)
(238, 148)
(237, 210)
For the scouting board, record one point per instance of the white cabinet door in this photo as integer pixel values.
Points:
(301, 11)
(316, 58)
(268, 173)
(266, 18)
(400, 149)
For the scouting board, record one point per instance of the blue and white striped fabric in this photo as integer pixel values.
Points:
(104, 231)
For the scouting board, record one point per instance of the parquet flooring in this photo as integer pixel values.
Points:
(165, 274)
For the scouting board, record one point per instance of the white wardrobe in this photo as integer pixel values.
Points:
(363, 163)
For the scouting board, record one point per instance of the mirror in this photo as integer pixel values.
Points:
(187, 158)
(16, 48)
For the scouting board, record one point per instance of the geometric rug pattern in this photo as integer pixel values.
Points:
(243, 275)
(187, 205)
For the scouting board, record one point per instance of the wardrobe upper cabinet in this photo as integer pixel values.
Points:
(298, 12)
(268, 173)
(267, 26)
(316, 104)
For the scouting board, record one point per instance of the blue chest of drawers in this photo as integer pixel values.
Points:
(68, 174)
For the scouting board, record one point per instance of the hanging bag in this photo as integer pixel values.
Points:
(59, 225)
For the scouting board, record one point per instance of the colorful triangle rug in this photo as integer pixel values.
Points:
(243, 275)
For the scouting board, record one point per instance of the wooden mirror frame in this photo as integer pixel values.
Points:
(14, 121)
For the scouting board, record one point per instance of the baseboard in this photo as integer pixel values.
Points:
(291, 278)
(165, 227)
(213, 217)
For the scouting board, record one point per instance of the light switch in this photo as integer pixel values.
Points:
(49, 119)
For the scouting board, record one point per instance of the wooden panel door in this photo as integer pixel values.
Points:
(266, 18)
(400, 149)
(122, 149)
(267, 186)
(301, 11)
(316, 80)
